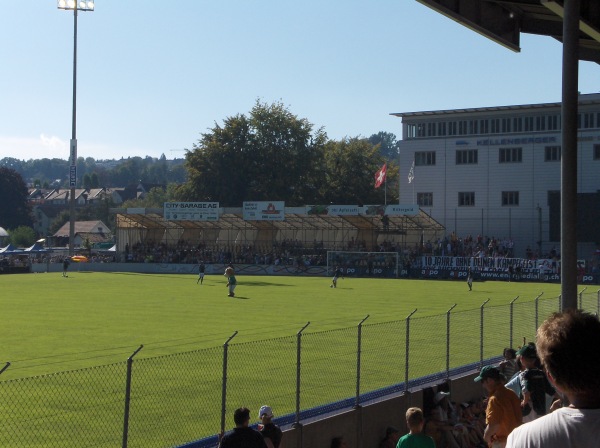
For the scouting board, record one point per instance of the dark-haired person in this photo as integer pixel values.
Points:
(567, 345)
(242, 436)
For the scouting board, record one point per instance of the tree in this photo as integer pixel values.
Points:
(87, 181)
(270, 154)
(15, 210)
(22, 236)
(351, 165)
(388, 146)
(155, 198)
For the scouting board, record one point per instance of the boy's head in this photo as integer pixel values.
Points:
(415, 419)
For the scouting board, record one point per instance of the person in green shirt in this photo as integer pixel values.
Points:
(415, 438)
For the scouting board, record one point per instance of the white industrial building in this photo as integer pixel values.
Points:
(493, 171)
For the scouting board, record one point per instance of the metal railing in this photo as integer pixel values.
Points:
(186, 398)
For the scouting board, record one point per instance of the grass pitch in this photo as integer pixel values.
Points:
(52, 324)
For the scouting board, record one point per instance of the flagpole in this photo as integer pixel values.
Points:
(385, 191)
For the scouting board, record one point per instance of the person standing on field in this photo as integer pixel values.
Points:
(201, 269)
(231, 281)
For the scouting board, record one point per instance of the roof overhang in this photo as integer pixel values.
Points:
(504, 20)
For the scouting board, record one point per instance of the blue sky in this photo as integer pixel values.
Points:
(152, 76)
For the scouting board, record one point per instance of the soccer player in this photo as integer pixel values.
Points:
(337, 273)
(66, 263)
(470, 279)
(201, 269)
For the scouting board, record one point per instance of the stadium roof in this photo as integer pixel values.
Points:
(503, 21)
(231, 218)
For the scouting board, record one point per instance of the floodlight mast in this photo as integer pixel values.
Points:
(75, 5)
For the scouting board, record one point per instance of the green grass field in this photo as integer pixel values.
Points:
(52, 324)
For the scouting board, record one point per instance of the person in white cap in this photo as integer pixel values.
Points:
(439, 419)
(269, 430)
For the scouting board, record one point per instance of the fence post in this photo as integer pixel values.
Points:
(511, 321)
(481, 335)
(560, 308)
(6, 366)
(358, 351)
(581, 298)
(298, 358)
(537, 299)
(224, 382)
(448, 341)
(128, 396)
(407, 350)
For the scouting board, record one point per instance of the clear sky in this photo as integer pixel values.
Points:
(153, 75)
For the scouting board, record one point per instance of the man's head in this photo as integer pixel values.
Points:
(567, 344)
(265, 413)
(415, 419)
(241, 417)
(490, 378)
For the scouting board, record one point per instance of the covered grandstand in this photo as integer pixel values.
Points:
(302, 228)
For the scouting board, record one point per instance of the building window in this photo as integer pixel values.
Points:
(431, 129)
(473, 128)
(540, 123)
(596, 152)
(553, 122)
(484, 126)
(495, 125)
(466, 157)
(425, 199)
(510, 198)
(424, 158)
(552, 154)
(528, 124)
(517, 124)
(462, 127)
(442, 128)
(452, 128)
(466, 199)
(588, 120)
(510, 155)
(506, 125)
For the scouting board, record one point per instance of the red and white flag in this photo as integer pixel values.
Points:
(380, 176)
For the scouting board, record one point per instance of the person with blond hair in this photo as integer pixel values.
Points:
(415, 438)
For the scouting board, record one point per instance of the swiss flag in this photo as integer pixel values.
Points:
(380, 176)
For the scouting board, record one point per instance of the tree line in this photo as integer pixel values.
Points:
(267, 154)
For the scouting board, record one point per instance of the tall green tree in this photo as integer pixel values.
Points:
(271, 154)
(351, 165)
(389, 148)
(15, 210)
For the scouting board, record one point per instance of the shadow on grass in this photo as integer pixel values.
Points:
(251, 283)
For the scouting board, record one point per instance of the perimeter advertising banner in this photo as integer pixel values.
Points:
(264, 211)
(191, 211)
(391, 210)
(332, 210)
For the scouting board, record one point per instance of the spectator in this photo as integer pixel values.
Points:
(415, 437)
(269, 430)
(242, 436)
(392, 435)
(440, 421)
(338, 442)
(534, 384)
(503, 412)
(567, 344)
(509, 366)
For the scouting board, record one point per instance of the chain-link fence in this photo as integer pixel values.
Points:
(188, 398)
